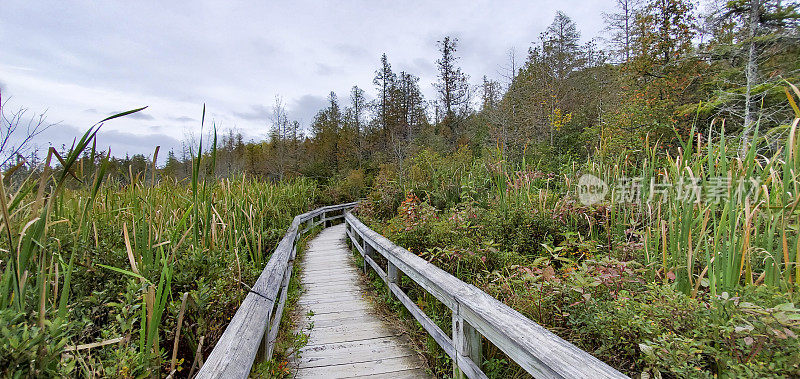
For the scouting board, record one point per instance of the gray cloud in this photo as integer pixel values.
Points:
(74, 56)
(302, 109)
(423, 67)
(133, 144)
(137, 116)
(121, 143)
(327, 70)
(184, 119)
(257, 112)
(351, 51)
(306, 107)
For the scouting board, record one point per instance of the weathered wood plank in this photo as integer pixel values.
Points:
(438, 335)
(328, 320)
(404, 374)
(335, 272)
(317, 352)
(349, 332)
(332, 287)
(352, 352)
(328, 280)
(339, 306)
(272, 335)
(338, 316)
(347, 296)
(347, 338)
(376, 267)
(467, 345)
(321, 260)
(311, 296)
(380, 366)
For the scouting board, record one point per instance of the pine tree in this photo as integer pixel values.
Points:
(767, 25)
(279, 136)
(384, 81)
(490, 94)
(326, 130)
(453, 89)
(354, 116)
(410, 105)
(560, 46)
(664, 33)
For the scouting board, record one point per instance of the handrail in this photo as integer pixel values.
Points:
(537, 350)
(251, 333)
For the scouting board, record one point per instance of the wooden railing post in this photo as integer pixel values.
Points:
(467, 343)
(392, 275)
(263, 347)
(369, 251)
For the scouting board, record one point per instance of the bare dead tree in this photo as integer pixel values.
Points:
(280, 135)
(18, 128)
(620, 26)
(764, 29)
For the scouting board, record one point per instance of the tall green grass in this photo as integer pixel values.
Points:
(748, 236)
(61, 233)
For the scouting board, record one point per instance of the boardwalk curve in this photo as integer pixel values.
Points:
(349, 340)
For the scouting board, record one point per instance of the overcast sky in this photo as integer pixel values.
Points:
(83, 60)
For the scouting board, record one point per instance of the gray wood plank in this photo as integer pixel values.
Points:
(329, 280)
(334, 319)
(340, 297)
(336, 307)
(349, 370)
(349, 332)
(347, 338)
(339, 316)
(404, 374)
(317, 293)
(352, 352)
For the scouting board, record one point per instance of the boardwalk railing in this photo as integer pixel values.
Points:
(250, 336)
(475, 314)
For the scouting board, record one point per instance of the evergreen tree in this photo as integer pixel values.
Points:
(766, 29)
(453, 90)
(384, 81)
(326, 130)
(561, 46)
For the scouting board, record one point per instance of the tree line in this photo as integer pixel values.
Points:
(663, 67)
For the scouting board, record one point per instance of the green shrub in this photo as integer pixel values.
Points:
(30, 350)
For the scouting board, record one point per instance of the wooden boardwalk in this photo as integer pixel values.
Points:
(347, 338)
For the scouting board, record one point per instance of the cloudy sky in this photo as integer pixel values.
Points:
(83, 60)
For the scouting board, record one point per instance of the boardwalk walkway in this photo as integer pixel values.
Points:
(347, 339)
